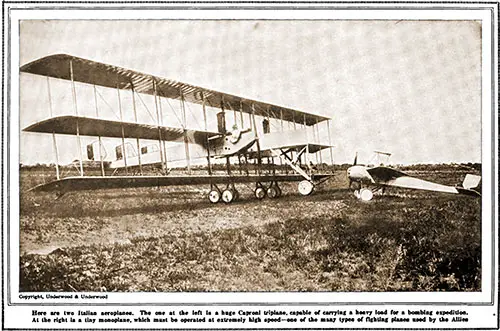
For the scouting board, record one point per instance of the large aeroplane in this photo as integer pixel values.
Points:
(244, 142)
(367, 180)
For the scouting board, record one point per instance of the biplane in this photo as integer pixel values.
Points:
(264, 157)
(366, 180)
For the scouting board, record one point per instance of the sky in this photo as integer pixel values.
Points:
(411, 88)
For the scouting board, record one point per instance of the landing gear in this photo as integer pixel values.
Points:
(364, 194)
(355, 185)
(306, 187)
(228, 195)
(274, 191)
(214, 195)
(260, 192)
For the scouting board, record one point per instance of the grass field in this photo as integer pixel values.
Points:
(174, 240)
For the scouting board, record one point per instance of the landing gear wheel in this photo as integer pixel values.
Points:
(214, 196)
(356, 193)
(260, 193)
(279, 190)
(228, 196)
(365, 194)
(236, 195)
(272, 192)
(306, 187)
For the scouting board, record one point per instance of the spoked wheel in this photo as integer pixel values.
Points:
(228, 195)
(278, 189)
(272, 192)
(260, 193)
(214, 196)
(306, 187)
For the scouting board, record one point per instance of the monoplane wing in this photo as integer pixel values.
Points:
(110, 182)
(392, 177)
(97, 127)
(69, 67)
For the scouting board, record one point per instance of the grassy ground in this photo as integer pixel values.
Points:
(175, 240)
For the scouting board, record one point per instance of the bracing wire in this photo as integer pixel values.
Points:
(175, 113)
(107, 104)
(189, 108)
(145, 106)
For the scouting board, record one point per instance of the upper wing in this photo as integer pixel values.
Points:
(91, 72)
(392, 177)
(97, 127)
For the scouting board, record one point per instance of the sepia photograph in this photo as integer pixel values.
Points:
(253, 154)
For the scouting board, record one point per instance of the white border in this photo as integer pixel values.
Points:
(488, 227)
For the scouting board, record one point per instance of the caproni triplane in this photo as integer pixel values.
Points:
(248, 152)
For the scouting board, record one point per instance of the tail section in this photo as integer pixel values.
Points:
(471, 185)
(471, 181)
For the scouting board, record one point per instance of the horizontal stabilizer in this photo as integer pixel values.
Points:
(110, 182)
(101, 74)
(105, 128)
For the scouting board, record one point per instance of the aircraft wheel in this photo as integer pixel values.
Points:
(228, 196)
(365, 194)
(214, 196)
(236, 195)
(306, 187)
(272, 192)
(260, 193)
(356, 193)
(279, 190)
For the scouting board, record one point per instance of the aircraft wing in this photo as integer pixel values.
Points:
(109, 182)
(97, 127)
(392, 177)
(96, 73)
(291, 140)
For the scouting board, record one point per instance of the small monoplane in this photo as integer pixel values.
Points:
(367, 180)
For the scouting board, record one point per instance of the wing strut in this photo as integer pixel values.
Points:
(241, 116)
(124, 151)
(259, 160)
(328, 124)
(316, 139)
(73, 89)
(163, 162)
(208, 140)
(54, 142)
(138, 140)
(306, 154)
(100, 140)
(291, 164)
(161, 121)
(184, 125)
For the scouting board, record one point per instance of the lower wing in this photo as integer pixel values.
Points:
(110, 182)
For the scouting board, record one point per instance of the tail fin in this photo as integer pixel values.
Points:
(471, 181)
(471, 185)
